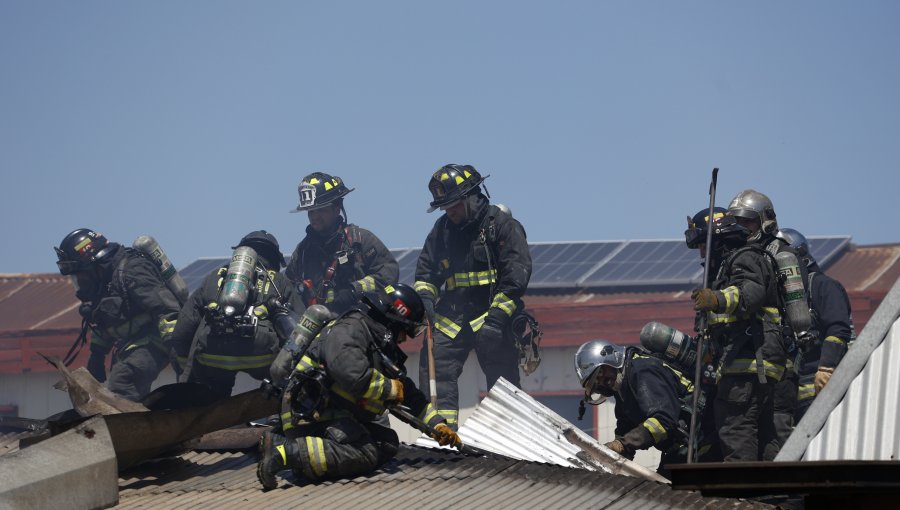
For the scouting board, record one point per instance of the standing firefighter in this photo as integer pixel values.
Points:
(352, 372)
(745, 324)
(127, 307)
(653, 400)
(229, 323)
(336, 262)
(479, 255)
(832, 325)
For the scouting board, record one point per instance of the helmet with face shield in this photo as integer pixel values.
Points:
(590, 360)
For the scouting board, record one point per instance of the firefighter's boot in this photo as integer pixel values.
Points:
(274, 452)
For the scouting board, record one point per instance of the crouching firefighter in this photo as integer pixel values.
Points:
(349, 376)
(653, 402)
(231, 323)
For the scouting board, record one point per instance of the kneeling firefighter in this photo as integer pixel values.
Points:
(351, 373)
(232, 322)
(653, 401)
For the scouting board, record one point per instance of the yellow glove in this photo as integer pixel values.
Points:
(822, 377)
(445, 436)
(396, 394)
(616, 446)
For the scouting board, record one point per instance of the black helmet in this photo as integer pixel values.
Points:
(265, 245)
(397, 307)
(319, 189)
(695, 235)
(452, 183)
(81, 248)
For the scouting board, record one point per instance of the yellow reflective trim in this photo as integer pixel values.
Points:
(477, 322)
(387, 289)
(467, 174)
(314, 180)
(770, 314)
(376, 386)
(261, 311)
(459, 179)
(450, 415)
(367, 284)
(235, 362)
(446, 326)
(315, 447)
(475, 278)
(835, 340)
(421, 286)
(305, 364)
(656, 429)
(503, 302)
(166, 327)
(429, 413)
(329, 296)
(445, 176)
(328, 186)
(84, 242)
(732, 296)
(806, 391)
(748, 366)
(280, 450)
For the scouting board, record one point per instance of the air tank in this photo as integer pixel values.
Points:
(671, 343)
(238, 281)
(795, 304)
(311, 322)
(151, 248)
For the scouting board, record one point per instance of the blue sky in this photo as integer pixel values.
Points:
(195, 121)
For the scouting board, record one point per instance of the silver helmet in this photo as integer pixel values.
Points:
(753, 205)
(589, 358)
(798, 242)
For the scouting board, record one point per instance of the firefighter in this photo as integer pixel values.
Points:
(832, 325)
(336, 261)
(213, 346)
(471, 275)
(352, 372)
(653, 401)
(127, 307)
(744, 322)
(755, 211)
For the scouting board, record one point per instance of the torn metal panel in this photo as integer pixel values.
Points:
(511, 423)
(88, 396)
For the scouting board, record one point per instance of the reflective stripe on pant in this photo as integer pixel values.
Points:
(450, 356)
(744, 413)
(134, 370)
(341, 449)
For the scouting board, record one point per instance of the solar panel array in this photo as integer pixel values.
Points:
(641, 264)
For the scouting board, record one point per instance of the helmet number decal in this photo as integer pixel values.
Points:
(401, 308)
(307, 195)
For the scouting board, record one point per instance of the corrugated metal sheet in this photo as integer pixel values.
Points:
(416, 478)
(37, 301)
(866, 424)
(511, 423)
(872, 268)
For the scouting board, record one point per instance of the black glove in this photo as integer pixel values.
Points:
(96, 365)
(428, 301)
(491, 332)
(343, 299)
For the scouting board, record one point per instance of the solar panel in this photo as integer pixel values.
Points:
(564, 264)
(826, 249)
(407, 259)
(195, 272)
(663, 262)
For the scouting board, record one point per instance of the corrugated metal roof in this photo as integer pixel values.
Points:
(416, 478)
(868, 268)
(511, 423)
(37, 301)
(866, 423)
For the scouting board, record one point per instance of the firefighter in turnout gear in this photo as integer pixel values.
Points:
(336, 262)
(471, 275)
(351, 373)
(755, 211)
(832, 325)
(653, 401)
(743, 306)
(127, 307)
(213, 345)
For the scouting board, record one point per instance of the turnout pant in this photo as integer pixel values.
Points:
(341, 448)
(744, 412)
(499, 359)
(785, 405)
(216, 361)
(134, 370)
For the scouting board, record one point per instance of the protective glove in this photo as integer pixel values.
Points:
(282, 366)
(96, 365)
(428, 301)
(491, 332)
(707, 300)
(616, 446)
(823, 375)
(343, 299)
(396, 394)
(445, 436)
